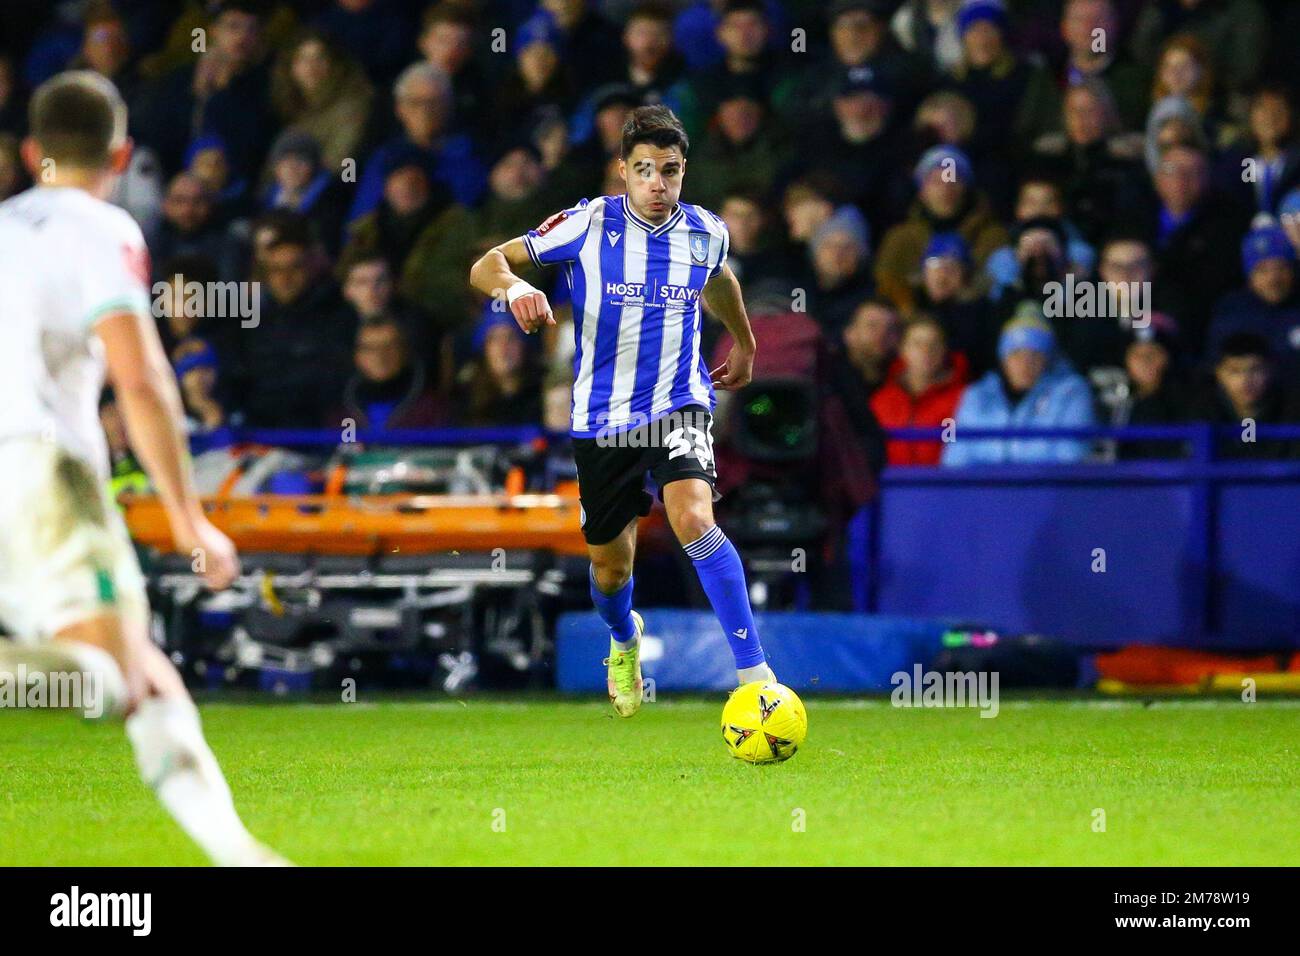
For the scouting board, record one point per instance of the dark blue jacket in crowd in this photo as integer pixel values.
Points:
(1279, 325)
(453, 163)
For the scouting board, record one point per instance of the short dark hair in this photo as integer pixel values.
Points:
(286, 228)
(818, 184)
(744, 6)
(78, 117)
(252, 8)
(101, 11)
(1274, 88)
(745, 192)
(190, 267)
(657, 125)
(448, 12)
(917, 319)
(1041, 177)
(358, 254)
(652, 10)
(878, 302)
(1123, 234)
(1243, 345)
(386, 322)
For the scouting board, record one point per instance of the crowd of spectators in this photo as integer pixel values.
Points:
(946, 187)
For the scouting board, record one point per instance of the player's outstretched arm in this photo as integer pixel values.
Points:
(494, 276)
(146, 391)
(722, 297)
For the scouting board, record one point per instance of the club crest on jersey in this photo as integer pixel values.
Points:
(551, 223)
(699, 245)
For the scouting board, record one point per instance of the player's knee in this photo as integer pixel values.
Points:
(611, 574)
(692, 521)
(99, 646)
(103, 682)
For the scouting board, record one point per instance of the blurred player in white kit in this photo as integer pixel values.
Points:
(74, 304)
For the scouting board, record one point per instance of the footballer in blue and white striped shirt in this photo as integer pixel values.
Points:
(638, 266)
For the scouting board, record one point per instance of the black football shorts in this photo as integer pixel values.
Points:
(612, 468)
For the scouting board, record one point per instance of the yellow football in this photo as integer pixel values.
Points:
(764, 722)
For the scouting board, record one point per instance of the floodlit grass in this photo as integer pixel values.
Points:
(492, 781)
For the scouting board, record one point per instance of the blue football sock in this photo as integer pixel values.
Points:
(615, 610)
(723, 576)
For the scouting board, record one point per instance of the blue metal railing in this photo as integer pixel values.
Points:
(333, 437)
(1200, 436)
(1200, 471)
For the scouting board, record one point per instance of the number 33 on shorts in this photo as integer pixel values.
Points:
(689, 440)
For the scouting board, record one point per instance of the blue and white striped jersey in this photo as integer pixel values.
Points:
(636, 307)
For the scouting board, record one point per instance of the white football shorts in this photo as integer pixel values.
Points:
(65, 554)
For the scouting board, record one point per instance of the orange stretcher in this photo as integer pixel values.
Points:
(1146, 671)
(334, 523)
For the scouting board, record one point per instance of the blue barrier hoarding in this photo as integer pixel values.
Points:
(1087, 563)
(1180, 554)
(687, 651)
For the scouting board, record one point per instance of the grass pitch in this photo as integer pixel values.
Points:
(564, 782)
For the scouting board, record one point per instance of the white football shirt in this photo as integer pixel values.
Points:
(67, 260)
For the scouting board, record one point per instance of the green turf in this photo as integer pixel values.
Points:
(423, 783)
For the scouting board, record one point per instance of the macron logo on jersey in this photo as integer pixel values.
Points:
(614, 237)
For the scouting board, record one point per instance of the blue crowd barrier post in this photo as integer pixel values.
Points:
(861, 544)
(1204, 522)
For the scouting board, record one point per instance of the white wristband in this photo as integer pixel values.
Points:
(519, 288)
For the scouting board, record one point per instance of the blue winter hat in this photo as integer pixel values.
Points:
(539, 28)
(405, 154)
(1027, 329)
(205, 141)
(492, 319)
(1290, 204)
(947, 245)
(846, 219)
(863, 79)
(943, 157)
(294, 142)
(973, 11)
(1265, 242)
(202, 357)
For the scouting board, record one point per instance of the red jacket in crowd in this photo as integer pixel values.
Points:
(895, 407)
